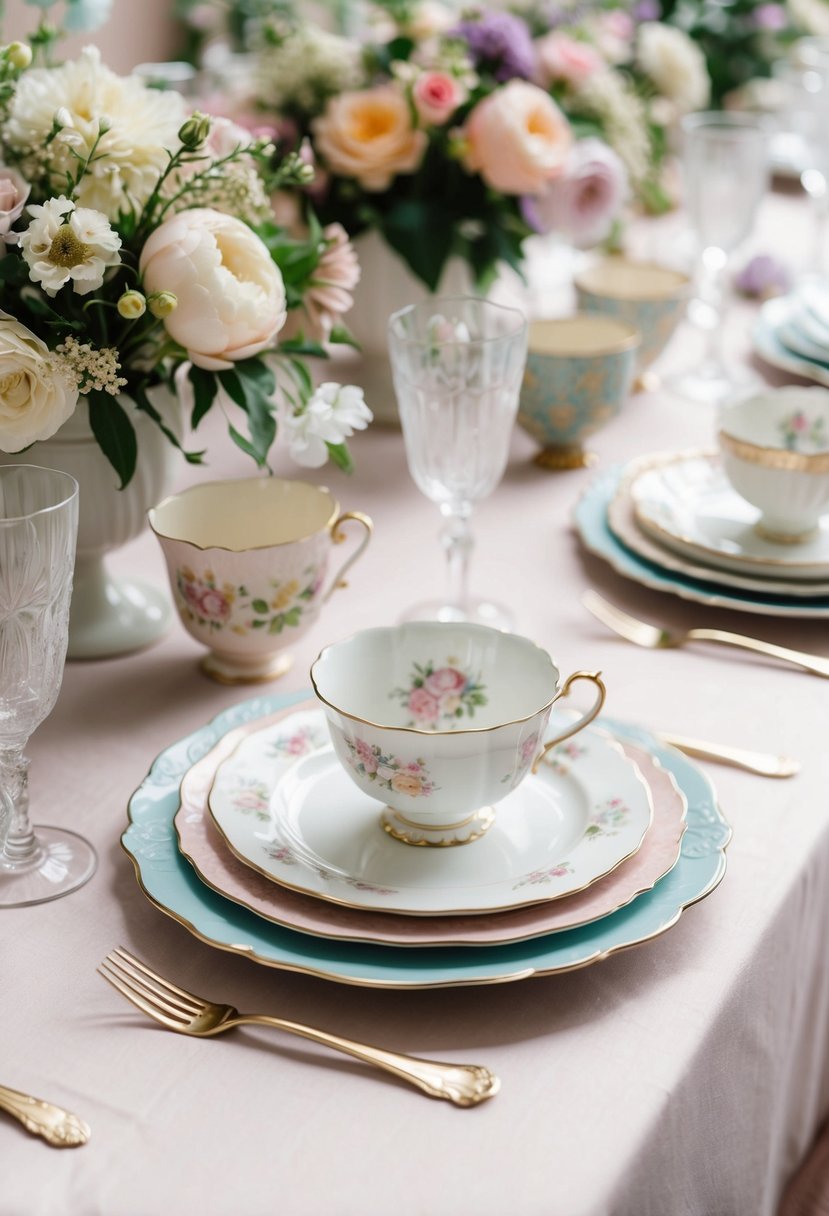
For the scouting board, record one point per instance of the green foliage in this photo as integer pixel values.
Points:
(114, 433)
(251, 384)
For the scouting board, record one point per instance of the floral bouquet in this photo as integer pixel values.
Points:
(139, 248)
(457, 133)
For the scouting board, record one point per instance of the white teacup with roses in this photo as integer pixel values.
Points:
(247, 562)
(441, 721)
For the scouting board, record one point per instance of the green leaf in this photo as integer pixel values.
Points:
(341, 456)
(276, 624)
(300, 346)
(251, 385)
(259, 606)
(422, 232)
(114, 433)
(143, 402)
(204, 391)
(340, 336)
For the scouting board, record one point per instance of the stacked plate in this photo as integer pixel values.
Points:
(250, 834)
(792, 332)
(672, 522)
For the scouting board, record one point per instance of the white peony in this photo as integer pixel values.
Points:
(231, 298)
(675, 65)
(143, 126)
(35, 397)
(65, 243)
(333, 414)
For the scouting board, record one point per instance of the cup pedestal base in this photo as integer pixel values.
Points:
(769, 531)
(437, 833)
(236, 669)
(559, 459)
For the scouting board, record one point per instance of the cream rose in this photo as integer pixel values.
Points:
(517, 139)
(675, 64)
(369, 136)
(35, 397)
(231, 298)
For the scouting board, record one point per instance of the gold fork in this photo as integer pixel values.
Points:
(654, 638)
(186, 1013)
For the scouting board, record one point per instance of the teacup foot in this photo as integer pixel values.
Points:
(231, 669)
(437, 835)
(776, 537)
(559, 459)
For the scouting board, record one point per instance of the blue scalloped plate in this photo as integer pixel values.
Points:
(590, 518)
(172, 885)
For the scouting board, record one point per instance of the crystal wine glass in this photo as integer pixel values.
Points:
(457, 365)
(38, 532)
(725, 174)
(805, 85)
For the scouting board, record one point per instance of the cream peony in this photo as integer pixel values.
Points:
(65, 243)
(369, 136)
(13, 194)
(143, 125)
(231, 298)
(675, 65)
(35, 397)
(517, 139)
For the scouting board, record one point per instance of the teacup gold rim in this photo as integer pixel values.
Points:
(326, 527)
(774, 458)
(679, 290)
(435, 734)
(631, 341)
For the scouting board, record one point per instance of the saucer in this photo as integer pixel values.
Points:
(585, 811)
(685, 502)
(206, 851)
(769, 345)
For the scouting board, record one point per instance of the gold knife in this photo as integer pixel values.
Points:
(57, 1126)
(760, 763)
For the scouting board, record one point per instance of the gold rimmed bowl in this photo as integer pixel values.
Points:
(578, 376)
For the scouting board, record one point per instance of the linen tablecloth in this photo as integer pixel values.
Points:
(684, 1077)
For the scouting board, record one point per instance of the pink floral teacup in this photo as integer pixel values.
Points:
(440, 721)
(247, 562)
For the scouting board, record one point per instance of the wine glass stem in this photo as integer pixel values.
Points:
(21, 847)
(458, 542)
(714, 295)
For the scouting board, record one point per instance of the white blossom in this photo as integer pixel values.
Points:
(65, 243)
(332, 415)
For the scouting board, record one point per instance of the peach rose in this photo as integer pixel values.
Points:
(561, 57)
(517, 139)
(407, 783)
(231, 298)
(368, 135)
(436, 96)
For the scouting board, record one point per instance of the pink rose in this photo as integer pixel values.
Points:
(799, 422)
(366, 755)
(517, 139)
(13, 194)
(586, 199)
(444, 680)
(436, 96)
(562, 58)
(528, 748)
(212, 605)
(423, 706)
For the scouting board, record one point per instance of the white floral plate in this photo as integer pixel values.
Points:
(172, 885)
(304, 824)
(206, 851)
(685, 502)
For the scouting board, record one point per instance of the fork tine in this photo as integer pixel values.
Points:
(137, 983)
(139, 1002)
(173, 989)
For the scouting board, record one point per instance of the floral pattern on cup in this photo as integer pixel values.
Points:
(241, 610)
(440, 696)
(536, 877)
(607, 819)
(801, 434)
(390, 772)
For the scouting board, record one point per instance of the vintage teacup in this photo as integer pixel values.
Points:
(247, 562)
(775, 453)
(578, 376)
(650, 297)
(440, 721)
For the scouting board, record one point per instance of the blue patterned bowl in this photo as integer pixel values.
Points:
(578, 376)
(649, 297)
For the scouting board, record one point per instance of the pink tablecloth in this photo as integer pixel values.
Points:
(683, 1077)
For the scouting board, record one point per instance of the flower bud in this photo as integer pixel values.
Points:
(132, 305)
(162, 303)
(104, 124)
(63, 118)
(195, 130)
(19, 55)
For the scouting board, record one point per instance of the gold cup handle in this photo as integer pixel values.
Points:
(585, 719)
(337, 537)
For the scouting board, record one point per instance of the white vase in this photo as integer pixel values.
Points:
(386, 284)
(111, 616)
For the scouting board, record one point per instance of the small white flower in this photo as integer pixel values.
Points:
(64, 242)
(675, 64)
(333, 414)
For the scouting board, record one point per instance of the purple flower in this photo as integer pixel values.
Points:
(500, 42)
(762, 277)
(582, 203)
(647, 10)
(770, 17)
